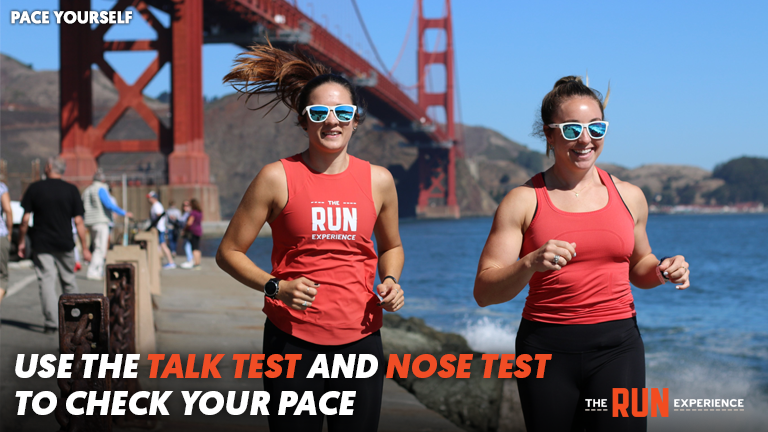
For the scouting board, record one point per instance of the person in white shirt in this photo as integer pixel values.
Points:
(157, 216)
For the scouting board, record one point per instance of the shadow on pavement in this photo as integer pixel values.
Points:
(23, 325)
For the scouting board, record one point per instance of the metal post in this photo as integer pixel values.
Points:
(121, 288)
(83, 329)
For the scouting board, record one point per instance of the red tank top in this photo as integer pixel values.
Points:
(324, 234)
(594, 286)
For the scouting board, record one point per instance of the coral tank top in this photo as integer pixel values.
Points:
(594, 287)
(324, 233)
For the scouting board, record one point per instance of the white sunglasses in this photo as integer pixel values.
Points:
(318, 113)
(572, 130)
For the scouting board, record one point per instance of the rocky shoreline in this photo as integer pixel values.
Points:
(475, 404)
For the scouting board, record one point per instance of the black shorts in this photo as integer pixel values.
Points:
(588, 361)
(194, 241)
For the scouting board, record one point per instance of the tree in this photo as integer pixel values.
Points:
(687, 194)
(532, 160)
(648, 193)
(745, 180)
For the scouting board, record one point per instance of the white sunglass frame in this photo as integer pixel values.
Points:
(330, 109)
(584, 126)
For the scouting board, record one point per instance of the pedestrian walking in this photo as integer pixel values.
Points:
(98, 219)
(174, 227)
(193, 232)
(6, 230)
(187, 208)
(54, 203)
(158, 220)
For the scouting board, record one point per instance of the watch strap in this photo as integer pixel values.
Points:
(389, 277)
(663, 279)
(660, 275)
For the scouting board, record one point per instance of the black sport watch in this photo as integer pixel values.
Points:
(272, 287)
(664, 278)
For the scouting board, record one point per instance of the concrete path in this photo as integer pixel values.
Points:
(199, 312)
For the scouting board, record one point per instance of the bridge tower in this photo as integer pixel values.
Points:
(182, 143)
(437, 160)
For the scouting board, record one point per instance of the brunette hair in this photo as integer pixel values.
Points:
(287, 77)
(195, 205)
(565, 88)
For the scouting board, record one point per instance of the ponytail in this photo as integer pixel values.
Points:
(287, 77)
(280, 74)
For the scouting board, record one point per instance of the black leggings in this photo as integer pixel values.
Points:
(588, 361)
(367, 400)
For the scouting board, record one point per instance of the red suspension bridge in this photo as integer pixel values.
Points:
(245, 22)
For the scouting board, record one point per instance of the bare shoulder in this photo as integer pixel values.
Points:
(518, 206)
(628, 191)
(269, 187)
(380, 176)
(272, 172)
(383, 188)
(521, 195)
(271, 178)
(267, 194)
(633, 196)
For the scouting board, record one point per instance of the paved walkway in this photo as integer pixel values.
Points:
(199, 312)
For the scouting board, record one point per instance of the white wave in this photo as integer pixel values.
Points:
(692, 379)
(490, 336)
(698, 381)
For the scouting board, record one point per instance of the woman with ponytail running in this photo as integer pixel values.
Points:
(323, 206)
(576, 235)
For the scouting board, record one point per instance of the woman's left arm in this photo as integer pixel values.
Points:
(643, 271)
(390, 248)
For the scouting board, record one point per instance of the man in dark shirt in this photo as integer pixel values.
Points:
(54, 203)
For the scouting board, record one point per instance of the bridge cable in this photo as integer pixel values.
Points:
(421, 81)
(429, 75)
(407, 37)
(368, 36)
(430, 86)
(459, 140)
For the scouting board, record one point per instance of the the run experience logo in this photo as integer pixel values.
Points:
(640, 402)
(337, 217)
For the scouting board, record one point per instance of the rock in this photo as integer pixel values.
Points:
(474, 403)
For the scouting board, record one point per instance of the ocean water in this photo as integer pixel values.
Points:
(708, 341)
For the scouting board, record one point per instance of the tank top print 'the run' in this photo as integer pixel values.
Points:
(594, 286)
(324, 234)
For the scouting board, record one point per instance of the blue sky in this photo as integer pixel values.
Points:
(687, 78)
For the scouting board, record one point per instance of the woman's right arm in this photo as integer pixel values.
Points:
(500, 274)
(190, 221)
(263, 201)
